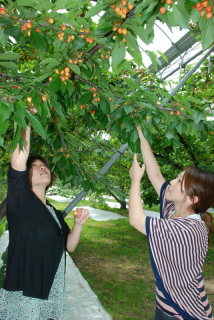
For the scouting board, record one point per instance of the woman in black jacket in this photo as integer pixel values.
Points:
(34, 287)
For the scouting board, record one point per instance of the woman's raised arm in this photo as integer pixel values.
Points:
(19, 156)
(152, 167)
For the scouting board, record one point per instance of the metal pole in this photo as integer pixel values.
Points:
(186, 62)
(125, 146)
(107, 166)
(188, 75)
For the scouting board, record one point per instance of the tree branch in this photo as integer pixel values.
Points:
(186, 146)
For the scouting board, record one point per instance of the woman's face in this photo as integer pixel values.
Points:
(175, 191)
(39, 174)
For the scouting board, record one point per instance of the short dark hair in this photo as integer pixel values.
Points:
(33, 158)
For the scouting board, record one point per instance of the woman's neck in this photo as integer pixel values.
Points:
(40, 193)
(182, 211)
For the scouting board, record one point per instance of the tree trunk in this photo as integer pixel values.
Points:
(123, 205)
(3, 208)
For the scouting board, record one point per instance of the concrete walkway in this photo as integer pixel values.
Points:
(102, 215)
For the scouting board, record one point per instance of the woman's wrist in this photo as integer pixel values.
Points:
(77, 223)
(136, 180)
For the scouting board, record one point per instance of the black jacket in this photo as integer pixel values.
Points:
(36, 242)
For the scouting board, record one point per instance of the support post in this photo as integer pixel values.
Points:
(190, 73)
(106, 167)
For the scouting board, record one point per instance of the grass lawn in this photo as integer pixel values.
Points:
(114, 258)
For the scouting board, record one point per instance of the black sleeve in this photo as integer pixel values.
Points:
(18, 189)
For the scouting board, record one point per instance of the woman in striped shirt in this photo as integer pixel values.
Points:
(178, 241)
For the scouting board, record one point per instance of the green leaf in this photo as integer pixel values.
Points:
(128, 109)
(102, 32)
(63, 87)
(3, 38)
(75, 68)
(8, 65)
(163, 93)
(195, 15)
(17, 137)
(86, 185)
(87, 97)
(1, 142)
(12, 31)
(162, 55)
(193, 99)
(132, 43)
(49, 60)
(132, 84)
(25, 3)
(134, 135)
(9, 56)
(198, 115)
(3, 22)
(36, 124)
(152, 56)
(210, 142)
(38, 41)
(5, 111)
(19, 114)
(200, 126)
(170, 20)
(95, 10)
(169, 135)
(118, 53)
(127, 66)
(143, 33)
(44, 76)
(207, 33)
(190, 3)
(70, 87)
(78, 43)
(17, 119)
(60, 4)
(181, 127)
(57, 107)
(46, 4)
(55, 84)
(104, 105)
(4, 125)
(138, 58)
(181, 16)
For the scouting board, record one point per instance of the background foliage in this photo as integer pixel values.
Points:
(58, 57)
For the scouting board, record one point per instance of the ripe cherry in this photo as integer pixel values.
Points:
(2, 10)
(200, 8)
(208, 9)
(209, 15)
(130, 6)
(162, 10)
(29, 25)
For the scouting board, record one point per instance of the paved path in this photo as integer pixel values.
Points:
(102, 215)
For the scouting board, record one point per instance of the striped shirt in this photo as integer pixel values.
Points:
(177, 250)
